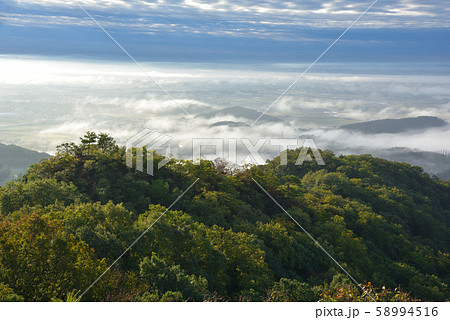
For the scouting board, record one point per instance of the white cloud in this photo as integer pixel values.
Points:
(236, 17)
(57, 101)
(88, 3)
(31, 71)
(149, 105)
(429, 140)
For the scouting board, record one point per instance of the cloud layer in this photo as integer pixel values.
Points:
(48, 102)
(332, 13)
(224, 30)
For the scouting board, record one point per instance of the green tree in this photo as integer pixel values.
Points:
(291, 290)
(89, 139)
(7, 294)
(166, 278)
(40, 262)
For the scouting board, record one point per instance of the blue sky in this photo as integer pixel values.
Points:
(230, 31)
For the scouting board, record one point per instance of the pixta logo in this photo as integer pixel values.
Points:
(252, 150)
(148, 141)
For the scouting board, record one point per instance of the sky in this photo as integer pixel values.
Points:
(61, 75)
(231, 31)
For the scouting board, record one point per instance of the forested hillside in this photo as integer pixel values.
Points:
(69, 217)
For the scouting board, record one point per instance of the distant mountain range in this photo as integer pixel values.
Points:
(14, 161)
(246, 116)
(395, 125)
(434, 163)
(437, 164)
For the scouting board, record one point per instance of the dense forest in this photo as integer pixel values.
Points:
(71, 216)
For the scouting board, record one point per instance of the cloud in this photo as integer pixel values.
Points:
(345, 141)
(148, 105)
(57, 101)
(32, 71)
(243, 18)
(224, 30)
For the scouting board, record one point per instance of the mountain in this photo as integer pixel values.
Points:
(434, 163)
(247, 114)
(233, 124)
(395, 125)
(437, 164)
(15, 160)
(223, 237)
(444, 175)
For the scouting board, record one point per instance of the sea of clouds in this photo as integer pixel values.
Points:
(47, 102)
